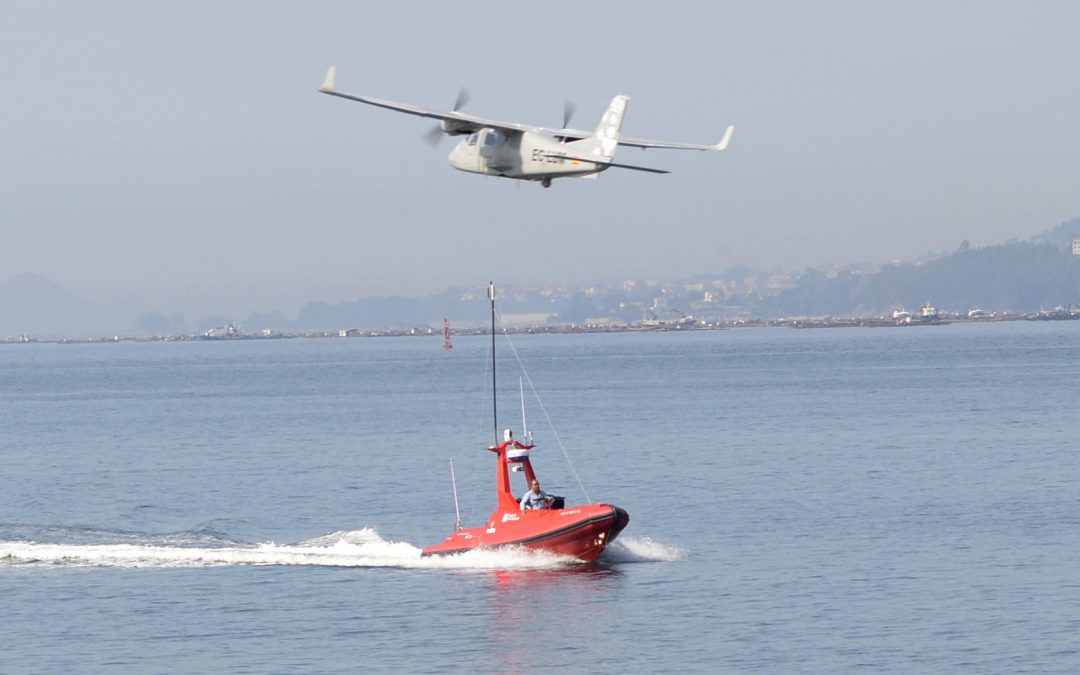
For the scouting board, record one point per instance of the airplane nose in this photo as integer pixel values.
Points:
(457, 157)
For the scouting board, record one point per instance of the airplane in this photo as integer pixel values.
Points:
(525, 152)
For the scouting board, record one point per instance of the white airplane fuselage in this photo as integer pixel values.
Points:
(526, 156)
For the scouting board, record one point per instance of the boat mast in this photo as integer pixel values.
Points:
(494, 398)
(457, 510)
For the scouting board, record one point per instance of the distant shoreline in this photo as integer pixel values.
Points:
(1058, 314)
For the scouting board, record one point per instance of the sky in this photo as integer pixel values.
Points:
(177, 157)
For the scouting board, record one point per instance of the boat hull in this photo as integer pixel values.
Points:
(582, 532)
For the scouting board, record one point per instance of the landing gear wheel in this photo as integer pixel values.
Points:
(546, 182)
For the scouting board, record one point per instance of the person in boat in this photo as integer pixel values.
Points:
(535, 498)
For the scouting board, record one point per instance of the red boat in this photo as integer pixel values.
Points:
(579, 531)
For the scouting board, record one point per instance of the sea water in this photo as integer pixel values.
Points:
(886, 499)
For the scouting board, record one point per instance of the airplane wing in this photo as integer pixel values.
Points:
(460, 122)
(463, 123)
(650, 143)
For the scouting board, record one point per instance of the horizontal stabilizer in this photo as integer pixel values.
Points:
(634, 168)
(603, 164)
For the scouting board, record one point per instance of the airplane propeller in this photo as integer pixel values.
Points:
(461, 100)
(568, 112)
(434, 135)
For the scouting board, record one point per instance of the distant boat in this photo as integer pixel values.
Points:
(927, 316)
(579, 531)
(227, 332)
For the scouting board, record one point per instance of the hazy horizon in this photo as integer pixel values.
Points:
(31, 302)
(172, 157)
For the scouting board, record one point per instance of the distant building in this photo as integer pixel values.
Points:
(1076, 245)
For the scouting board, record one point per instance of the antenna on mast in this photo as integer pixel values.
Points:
(494, 397)
(524, 426)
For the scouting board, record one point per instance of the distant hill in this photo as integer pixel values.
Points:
(1062, 235)
(1017, 277)
(381, 312)
(461, 306)
(33, 305)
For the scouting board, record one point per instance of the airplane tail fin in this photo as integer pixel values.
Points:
(605, 140)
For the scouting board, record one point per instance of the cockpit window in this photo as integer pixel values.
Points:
(473, 138)
(493, 137)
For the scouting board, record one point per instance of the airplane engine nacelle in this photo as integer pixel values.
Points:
(456, 128)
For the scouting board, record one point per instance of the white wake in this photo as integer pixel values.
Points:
(641, 549)
(358, 548)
